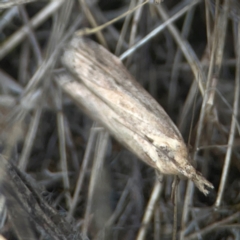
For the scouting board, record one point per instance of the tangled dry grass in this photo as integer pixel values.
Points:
(62, 177)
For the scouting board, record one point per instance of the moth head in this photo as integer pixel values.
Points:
(172, 156)
(174, 160)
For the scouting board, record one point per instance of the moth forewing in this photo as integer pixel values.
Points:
(136, 119)
(108, 79)
(102, 113)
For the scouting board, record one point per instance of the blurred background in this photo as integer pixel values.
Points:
(189, 61)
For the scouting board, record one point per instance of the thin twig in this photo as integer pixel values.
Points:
(233, 127)
(149, 210)
(36, 21)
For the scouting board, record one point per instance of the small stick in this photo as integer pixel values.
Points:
(88, 31)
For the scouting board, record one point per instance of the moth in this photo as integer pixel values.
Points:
(106, 91)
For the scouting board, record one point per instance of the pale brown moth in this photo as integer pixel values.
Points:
(110, 95)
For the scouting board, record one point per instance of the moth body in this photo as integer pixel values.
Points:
(109, 94)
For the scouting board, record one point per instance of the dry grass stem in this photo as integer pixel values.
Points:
(149, 210)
